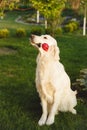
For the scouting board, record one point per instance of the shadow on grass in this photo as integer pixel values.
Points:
(23, 96)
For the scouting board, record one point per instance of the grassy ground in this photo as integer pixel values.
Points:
(19, 102)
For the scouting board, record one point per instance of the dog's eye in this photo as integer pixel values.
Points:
(45, 37)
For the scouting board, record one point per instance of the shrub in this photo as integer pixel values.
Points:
(54, 32)
(1, 15)
(75, 24)
(37, 31)
(68, 28)
(4, 33)
(48, 31)
(58, 30)
(20, 32)
(71, 26)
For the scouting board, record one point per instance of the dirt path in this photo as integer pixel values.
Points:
(7, 51)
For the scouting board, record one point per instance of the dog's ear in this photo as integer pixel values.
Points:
(55, 52)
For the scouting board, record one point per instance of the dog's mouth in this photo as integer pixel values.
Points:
(33, 42)
(38, 44)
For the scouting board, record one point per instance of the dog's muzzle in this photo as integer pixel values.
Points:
(32, 41)
(32, 38)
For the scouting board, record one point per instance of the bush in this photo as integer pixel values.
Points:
(58, 30)
(75, 24)
(48, 31)
(54, 32)
(4, 33)
(2, 15)
(37, 31)
(68, 28)
(20, 32)
(71, 26)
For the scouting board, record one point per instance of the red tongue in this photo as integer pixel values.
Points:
(45, 46)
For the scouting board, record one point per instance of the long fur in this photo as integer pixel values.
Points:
(52, 82)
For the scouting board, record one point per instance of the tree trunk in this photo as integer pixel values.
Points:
(38, 14)
(84, 22)
(45, 23)
(75, 4)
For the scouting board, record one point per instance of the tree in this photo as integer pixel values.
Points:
(25, 2)
(84, 5)
(6, 4)
(51, 9)
(75, 4)
(80, 3)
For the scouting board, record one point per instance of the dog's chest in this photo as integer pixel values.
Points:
(40, 70)
(43, 78)
(42, 75)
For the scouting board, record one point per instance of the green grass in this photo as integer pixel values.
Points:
(19, 102)
(73, 53)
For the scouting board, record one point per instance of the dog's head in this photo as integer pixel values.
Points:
(45, 44)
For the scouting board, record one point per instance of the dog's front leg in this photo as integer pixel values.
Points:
(47, 96)
(54, 108)
(44, 112)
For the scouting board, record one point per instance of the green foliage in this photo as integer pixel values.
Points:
(24, 3)
(75, 25)
(71, 26)
(20, 32)
(68, 28)
(1, 13)
(4, 33)
(10, 4)
(48, 31)
(37, 31)
(49, 8)
(58, 31)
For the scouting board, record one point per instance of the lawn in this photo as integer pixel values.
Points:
(19, 102)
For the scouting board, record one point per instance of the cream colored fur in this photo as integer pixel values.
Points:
(52, 82)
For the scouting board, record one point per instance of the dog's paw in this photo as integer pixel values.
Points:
(73, 111)
(50, 121)
(42, 120)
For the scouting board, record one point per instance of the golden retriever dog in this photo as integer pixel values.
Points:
(52, 82)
